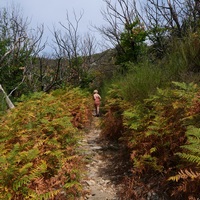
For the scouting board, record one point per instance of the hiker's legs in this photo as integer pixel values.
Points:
(97, 105)
(97, 110)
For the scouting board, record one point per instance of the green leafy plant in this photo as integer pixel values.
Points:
(188, 177)
(131, 42)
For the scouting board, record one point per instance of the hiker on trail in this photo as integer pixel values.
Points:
(97, 101)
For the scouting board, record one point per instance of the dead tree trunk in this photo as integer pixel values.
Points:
(8, 101)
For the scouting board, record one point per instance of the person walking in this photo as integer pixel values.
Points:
(97, 102)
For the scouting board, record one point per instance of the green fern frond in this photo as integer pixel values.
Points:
(185, 86)
(32, 195)
(71, 184)
(194, 140)
(37, 172)
(193, 146)
(24, 169)
(190, 157)
(29, 155)
(193, 132)
(57, 153)
(182, 85)
(23, 181)
(53, 142)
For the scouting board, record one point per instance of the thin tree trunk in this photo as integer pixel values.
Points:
(8, 101)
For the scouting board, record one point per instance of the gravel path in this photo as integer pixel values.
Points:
(105, 168)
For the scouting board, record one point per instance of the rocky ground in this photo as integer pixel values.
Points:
(105, 165)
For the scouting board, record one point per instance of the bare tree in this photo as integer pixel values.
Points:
(175, 16)
(116, 16)
(87, 50)
(167, 19)
(18, 47)
(50, 73)
(68, 45)
(74, 49)
(8, 101)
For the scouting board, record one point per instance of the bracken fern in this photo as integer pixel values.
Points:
(37, 144)
(188, 177)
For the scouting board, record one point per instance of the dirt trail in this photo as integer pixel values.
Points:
(105, 166)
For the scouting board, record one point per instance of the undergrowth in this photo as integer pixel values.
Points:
(162, 134)
(37, 146)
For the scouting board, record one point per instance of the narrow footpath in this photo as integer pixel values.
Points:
(105, 165)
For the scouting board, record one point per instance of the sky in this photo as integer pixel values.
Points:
(51, 12)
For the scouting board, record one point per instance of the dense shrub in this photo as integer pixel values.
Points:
(158, 132)
(37, 146)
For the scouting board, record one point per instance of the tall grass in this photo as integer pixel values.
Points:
(140, 82)
(183, 58)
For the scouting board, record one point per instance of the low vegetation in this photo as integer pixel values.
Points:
(38, 158)
(162, 134)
